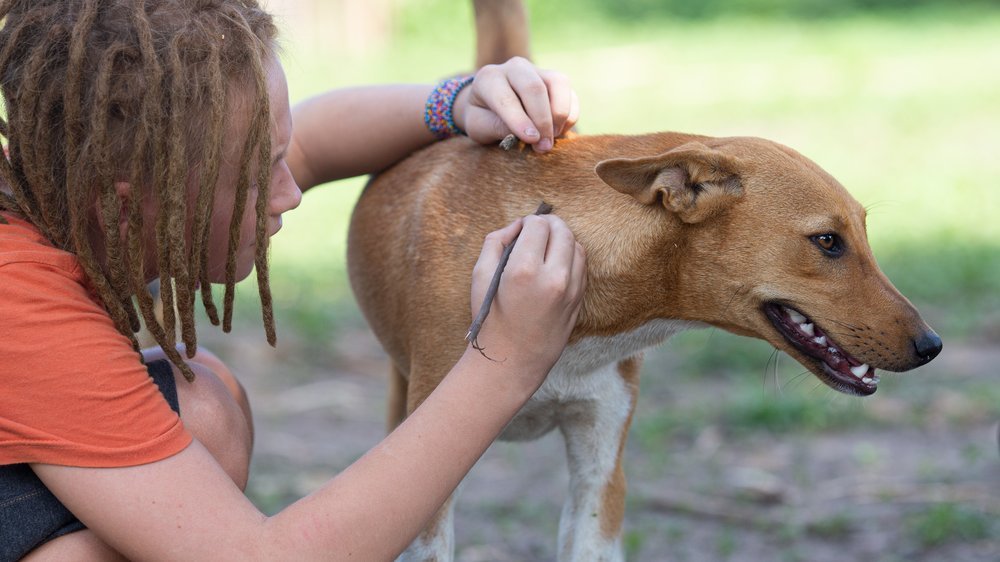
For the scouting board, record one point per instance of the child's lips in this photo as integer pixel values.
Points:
(275, 227)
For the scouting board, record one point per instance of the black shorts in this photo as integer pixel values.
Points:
(29, 514)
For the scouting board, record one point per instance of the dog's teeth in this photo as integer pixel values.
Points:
(861, 371)
(832, 350)
(795, 316)
(867, 380)
(820, 340)
(807, 328)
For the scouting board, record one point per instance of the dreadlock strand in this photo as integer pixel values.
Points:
(174, 207)
(162, 189)
(38, 180)
(117, 271)
(74, 72)
(150, 122)
(149, 103)
(47, 182)
(210, 176)
(82, 199)
(21, 193)
(148, 132)
(79, 199)
(24, 32)
(262, 240)
(137, 266)
(260, 258)
(123, 312)
(258, 133)
(261, 136)
(235, 222)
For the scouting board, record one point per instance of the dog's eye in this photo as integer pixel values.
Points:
(830, 243)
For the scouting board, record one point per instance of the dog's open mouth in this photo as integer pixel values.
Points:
(837, 368)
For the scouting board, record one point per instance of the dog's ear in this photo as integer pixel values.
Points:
(692, 181)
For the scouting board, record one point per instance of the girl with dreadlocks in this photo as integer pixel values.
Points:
(153, 140)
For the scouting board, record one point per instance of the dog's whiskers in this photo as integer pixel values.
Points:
(732, 298)
(877, 204)
(798, 379)
(767, 365)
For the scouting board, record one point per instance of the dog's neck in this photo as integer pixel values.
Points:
(622, 238)
(623, 291)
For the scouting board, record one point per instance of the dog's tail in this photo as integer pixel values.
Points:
(501, 31)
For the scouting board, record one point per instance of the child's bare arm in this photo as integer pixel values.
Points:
(187, 507)
(356, 131)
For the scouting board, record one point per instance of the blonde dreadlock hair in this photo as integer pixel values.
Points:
(100, 90)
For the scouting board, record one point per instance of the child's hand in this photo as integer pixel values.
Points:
(539, 296)
(516, 97)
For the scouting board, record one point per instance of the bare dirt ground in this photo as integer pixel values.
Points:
(883, 493)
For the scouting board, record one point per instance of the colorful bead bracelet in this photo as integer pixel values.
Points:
(438, 114)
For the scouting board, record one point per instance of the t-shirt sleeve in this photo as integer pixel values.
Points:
(72, 390)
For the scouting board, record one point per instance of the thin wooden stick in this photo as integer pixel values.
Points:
(508, 142)
(491, 293)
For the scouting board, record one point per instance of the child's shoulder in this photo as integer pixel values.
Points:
(22, 243)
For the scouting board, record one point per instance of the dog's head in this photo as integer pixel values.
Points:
(775, 248)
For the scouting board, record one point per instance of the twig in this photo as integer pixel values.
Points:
(508, 142)
(491, 293)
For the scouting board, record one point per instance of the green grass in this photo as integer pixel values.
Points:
(946, 523)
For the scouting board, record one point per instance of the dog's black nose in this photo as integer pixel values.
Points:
(927, 346)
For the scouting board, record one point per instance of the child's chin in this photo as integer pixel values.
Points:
(220, 278)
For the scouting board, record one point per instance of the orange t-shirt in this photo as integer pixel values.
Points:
(72, 390)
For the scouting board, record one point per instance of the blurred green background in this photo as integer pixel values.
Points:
(901, 105)
(899, 100)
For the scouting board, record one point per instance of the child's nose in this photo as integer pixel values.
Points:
(285, 193)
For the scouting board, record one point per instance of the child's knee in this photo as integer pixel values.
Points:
(208, 359)
(215, 417)
(214, 413)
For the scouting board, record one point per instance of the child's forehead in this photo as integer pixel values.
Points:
(281, 114)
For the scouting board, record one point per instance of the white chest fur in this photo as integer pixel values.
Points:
(586, 372)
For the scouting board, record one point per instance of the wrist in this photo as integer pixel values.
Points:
(439, 108)
(511, 375)
(460, 109)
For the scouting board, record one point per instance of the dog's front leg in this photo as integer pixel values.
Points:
(595, 431)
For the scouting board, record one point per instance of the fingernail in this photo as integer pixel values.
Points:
(531, 132)
(544, 144)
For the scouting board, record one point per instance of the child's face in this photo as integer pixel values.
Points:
(285, 194)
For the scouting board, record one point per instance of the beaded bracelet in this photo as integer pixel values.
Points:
(438, 111)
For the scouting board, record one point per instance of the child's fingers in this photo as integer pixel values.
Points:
(493, 247)
(561, 245)
(561, 100)
(533, 93)
(529, 252)
(574, 114)
(579, 276)
(493, 90)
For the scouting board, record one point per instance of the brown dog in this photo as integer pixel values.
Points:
(680, 231)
